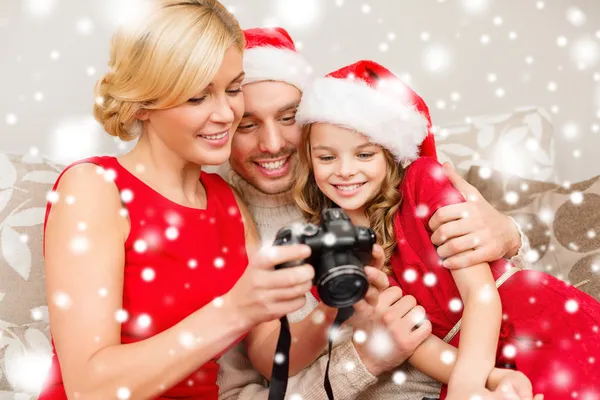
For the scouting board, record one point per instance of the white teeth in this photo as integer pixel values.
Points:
(215, 137)
(273, 164)
(347, 188)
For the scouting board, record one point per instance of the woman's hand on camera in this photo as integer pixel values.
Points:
(263, 294)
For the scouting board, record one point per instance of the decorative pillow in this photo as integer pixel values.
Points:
(24, 184)
(25, 358)
(562, 224)
(16, 396)
(519, 143)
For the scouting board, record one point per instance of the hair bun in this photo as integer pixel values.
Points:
(116, 116)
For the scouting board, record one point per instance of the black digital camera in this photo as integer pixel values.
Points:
(340, 250)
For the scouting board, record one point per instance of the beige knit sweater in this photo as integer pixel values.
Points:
(349, 377)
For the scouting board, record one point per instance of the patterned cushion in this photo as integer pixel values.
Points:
(24, 184)
(25, 357)
(25, 336)
(562, 224)
(519, 143)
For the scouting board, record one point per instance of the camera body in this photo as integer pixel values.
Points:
(340, 250)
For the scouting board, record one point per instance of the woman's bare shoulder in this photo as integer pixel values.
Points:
(87, 194)
(88, 181)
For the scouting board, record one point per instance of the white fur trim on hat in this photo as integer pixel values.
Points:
(274, 64)
(378, 115)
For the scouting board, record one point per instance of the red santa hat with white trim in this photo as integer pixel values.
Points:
(271, 55)
(368, 98)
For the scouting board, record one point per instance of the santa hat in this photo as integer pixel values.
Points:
(270, 55)
(368, 98)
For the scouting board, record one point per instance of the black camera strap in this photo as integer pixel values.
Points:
(342, 315)
(280, 372)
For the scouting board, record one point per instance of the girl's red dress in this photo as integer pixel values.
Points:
(177, 260)
(549, 331)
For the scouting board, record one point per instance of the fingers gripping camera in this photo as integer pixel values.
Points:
(340, 250)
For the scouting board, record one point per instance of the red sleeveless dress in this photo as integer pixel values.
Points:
(550, 330)
(177, 260)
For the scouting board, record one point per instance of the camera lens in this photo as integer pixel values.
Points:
(343, 286)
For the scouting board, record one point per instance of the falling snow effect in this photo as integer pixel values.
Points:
(399, 378)
(52, 196)
(109, 174)
(380, 343)
(509, 351)
(455, 305)
(318, 317)
(576, 198)
(62, 300)
(566, 62)
(121, 316)
(349, 366)
(126, 195)
(148, 274)
(219, 262)
(430, 279)
(123, 393)
(422, 211)
(279, 358)
(410, 275)
(172, 233)
(79, 245)
(144, 321)
(218, 302)
(187, 340)
(571, 306)
(447, 357)
(360, 336)
(511, 198)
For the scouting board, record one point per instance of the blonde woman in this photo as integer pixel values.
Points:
(146, 254)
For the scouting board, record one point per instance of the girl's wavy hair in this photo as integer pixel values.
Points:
(380, 210)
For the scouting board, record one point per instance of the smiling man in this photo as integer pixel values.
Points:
(264, 153)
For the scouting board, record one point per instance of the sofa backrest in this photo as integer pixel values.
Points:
(25, 181)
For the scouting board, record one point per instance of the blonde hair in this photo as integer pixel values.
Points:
(163, 60)
(380, 210)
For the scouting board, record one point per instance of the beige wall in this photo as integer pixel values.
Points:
(52, 52)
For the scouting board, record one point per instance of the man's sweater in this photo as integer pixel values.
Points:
(349, 377)
(271, 212)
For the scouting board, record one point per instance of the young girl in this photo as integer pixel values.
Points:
(363, 127)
